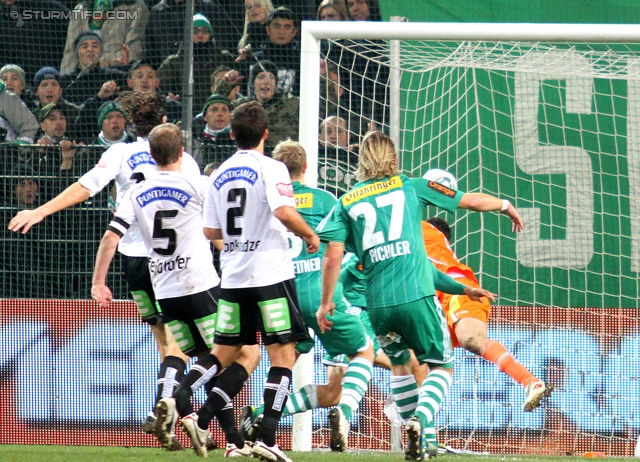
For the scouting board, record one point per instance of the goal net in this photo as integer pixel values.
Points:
(546, 116)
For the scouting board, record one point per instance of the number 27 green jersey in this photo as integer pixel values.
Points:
(380, 221)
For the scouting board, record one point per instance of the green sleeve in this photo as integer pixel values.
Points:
(333, 228)
(431, 193)
(445, 283)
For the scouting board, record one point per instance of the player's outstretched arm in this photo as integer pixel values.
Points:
(294, 222)
(331, 265)
(476, 294)
(481, 202)
(445, 283)
(99, 290)
(25, 219)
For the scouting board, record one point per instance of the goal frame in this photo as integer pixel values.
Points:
(313, 31)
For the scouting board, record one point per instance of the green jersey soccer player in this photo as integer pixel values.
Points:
(379, 220)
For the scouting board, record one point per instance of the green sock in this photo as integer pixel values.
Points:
(355, 384)
(302, 400)
(432, 393)
(429, 433)
(405, 393)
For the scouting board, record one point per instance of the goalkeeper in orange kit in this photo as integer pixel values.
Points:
(467, 319)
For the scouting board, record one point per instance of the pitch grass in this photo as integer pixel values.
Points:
(9, 453)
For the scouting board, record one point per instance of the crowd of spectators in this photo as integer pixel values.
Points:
(63, 65)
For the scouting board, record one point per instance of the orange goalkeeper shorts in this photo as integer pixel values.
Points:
(456, 307)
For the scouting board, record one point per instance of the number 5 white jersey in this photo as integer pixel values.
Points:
(242, 195)
(128, 164)
(168, 209)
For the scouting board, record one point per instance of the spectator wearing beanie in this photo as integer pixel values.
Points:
(122, 38)
(24, 189)
(88, 78)
(206, 58)
(13, 78)
(16, 121)
(113, 125)
(282, 110)
(46, 84)
(211, 130)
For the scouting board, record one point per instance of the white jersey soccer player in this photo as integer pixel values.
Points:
(250, 205)
(128, 164)
(167, 209)
(253, 238)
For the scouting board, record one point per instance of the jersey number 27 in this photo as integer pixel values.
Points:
(370, 237)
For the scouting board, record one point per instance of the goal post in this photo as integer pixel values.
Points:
(547, 116)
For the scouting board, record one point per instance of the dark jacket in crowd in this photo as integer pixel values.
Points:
(257, 35)
(165, 30)
(86, 123)
(83, 84)
(206, 58)
(287, 60)
(36, 42)
(207, 149)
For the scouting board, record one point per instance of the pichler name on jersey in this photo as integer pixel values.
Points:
(392, 250)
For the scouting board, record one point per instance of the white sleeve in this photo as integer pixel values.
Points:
(105, 170)
(278, 187)
(210, 217)
(189, 166)
(125, 216)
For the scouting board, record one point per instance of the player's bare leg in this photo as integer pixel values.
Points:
(419, 371)
(160, 337)
(329, 393)
(472, 335)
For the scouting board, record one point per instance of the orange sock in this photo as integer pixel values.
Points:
(495, 352)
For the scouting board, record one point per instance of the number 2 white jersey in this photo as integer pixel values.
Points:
(128, 164)
(168, 209)
(243, 193)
